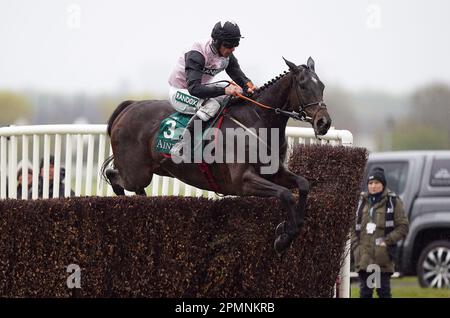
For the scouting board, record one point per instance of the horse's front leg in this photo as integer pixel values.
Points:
(288, 179)
(287, 231)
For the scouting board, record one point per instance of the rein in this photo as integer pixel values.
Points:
(302, 116)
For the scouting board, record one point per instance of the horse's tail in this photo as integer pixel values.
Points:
(116, 113)
(104, 167)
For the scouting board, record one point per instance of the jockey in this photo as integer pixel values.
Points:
(189, 92)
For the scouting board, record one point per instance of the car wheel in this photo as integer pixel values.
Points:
(433, 267)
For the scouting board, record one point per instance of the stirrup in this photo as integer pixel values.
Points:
(177, 149)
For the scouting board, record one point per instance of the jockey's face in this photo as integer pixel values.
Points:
(226, 52)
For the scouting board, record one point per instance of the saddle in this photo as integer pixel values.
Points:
(172, 127)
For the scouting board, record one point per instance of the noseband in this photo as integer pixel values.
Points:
(302, 107)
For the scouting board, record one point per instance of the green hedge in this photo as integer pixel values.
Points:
(183, 247)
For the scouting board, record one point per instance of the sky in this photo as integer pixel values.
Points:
(99, 46)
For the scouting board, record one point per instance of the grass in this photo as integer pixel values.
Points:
(407, 287)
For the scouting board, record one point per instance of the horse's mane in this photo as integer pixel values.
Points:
(272, 81)
(261, 89)
(276, 79)
(258, 92)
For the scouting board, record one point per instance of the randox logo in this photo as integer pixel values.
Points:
(186, 99)
(212, 71)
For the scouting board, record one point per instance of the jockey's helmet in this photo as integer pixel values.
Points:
(226, 33)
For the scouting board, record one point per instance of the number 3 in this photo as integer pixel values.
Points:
(171, 131)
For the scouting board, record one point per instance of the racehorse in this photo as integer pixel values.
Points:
(298, 93)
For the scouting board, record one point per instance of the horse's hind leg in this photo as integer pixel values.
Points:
(114, 179)
(132, 159)
(141, 192)
(135, 170)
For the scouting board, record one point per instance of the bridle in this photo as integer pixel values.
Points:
(303, 114)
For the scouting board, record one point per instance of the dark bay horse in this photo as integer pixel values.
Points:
(134, 125)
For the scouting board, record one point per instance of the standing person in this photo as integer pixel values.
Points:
(189, 92)
(380, 224)
(51, 170)
(19, 183)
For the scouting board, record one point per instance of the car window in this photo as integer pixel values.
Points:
(440, 173)
(396, 174)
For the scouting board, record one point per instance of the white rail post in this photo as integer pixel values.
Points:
(109, 190)
(346, 138)
(155, 185)
(198, 192)
(187, 190)
(344, 273)
(101, 159)
(68, 179)
(176, 187)
(36, 172)
(290, 149)
(46, 178)
(211, 195)
(12, 184)
(165, 186)
(89, 165)
(79, 166)
(3, 165)
(57, 166)
(24, 167)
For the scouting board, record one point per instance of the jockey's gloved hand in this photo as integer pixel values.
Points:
(250, 88)
(233, 90)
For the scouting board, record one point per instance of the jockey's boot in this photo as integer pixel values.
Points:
(177, 149)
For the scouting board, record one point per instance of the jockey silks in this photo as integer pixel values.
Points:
(214, 64)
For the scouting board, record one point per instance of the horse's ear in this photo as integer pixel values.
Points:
(292, 66)
(310, 64)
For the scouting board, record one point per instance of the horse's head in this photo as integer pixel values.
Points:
(306, 96)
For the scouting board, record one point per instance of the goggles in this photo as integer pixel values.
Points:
(229, 44)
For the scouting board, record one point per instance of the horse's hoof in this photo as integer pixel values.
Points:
(281, 243)
(118, 190)
(281, 228)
